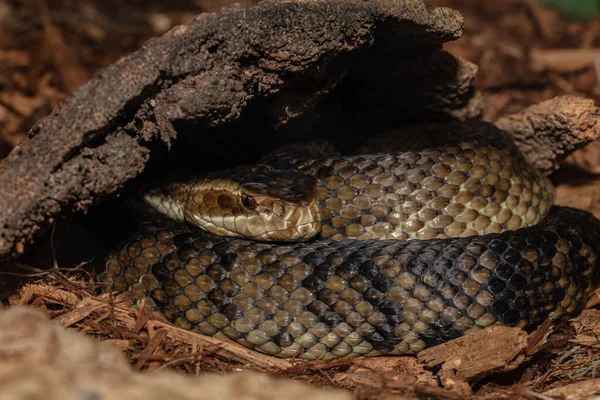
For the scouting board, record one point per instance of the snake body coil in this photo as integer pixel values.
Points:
(331, 299)
(328, 298)
(427, 189)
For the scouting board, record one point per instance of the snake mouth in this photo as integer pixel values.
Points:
(294, 223)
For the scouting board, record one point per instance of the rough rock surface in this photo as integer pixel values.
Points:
(279, 56)
(549, 131)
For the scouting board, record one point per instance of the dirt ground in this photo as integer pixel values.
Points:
(526, 54)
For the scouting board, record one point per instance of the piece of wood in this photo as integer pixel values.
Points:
(575, 391)
(548, 132)
(564, 60)
(492, 350)
(284, 56)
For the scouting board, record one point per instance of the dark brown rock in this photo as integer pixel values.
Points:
(279, 56)
(548, 132)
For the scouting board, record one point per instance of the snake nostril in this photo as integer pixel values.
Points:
(279, 209)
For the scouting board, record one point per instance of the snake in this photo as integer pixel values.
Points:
(315, 255)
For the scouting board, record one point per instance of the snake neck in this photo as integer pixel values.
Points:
(168, 199)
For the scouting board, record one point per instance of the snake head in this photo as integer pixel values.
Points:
(256, 202)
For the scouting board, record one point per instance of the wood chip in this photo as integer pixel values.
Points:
(492, 350)
(563, 60)
(548, 132)
(576, 391)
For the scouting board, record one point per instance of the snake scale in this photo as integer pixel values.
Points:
(413, 248)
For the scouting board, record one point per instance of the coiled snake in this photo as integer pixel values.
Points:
(489, 249)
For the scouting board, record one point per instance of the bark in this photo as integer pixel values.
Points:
(280, 56)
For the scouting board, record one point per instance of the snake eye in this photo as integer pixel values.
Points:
(249, 202)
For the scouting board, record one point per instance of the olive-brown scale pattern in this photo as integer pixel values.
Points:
(331, 299)
(477, 186)
(435, 184)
